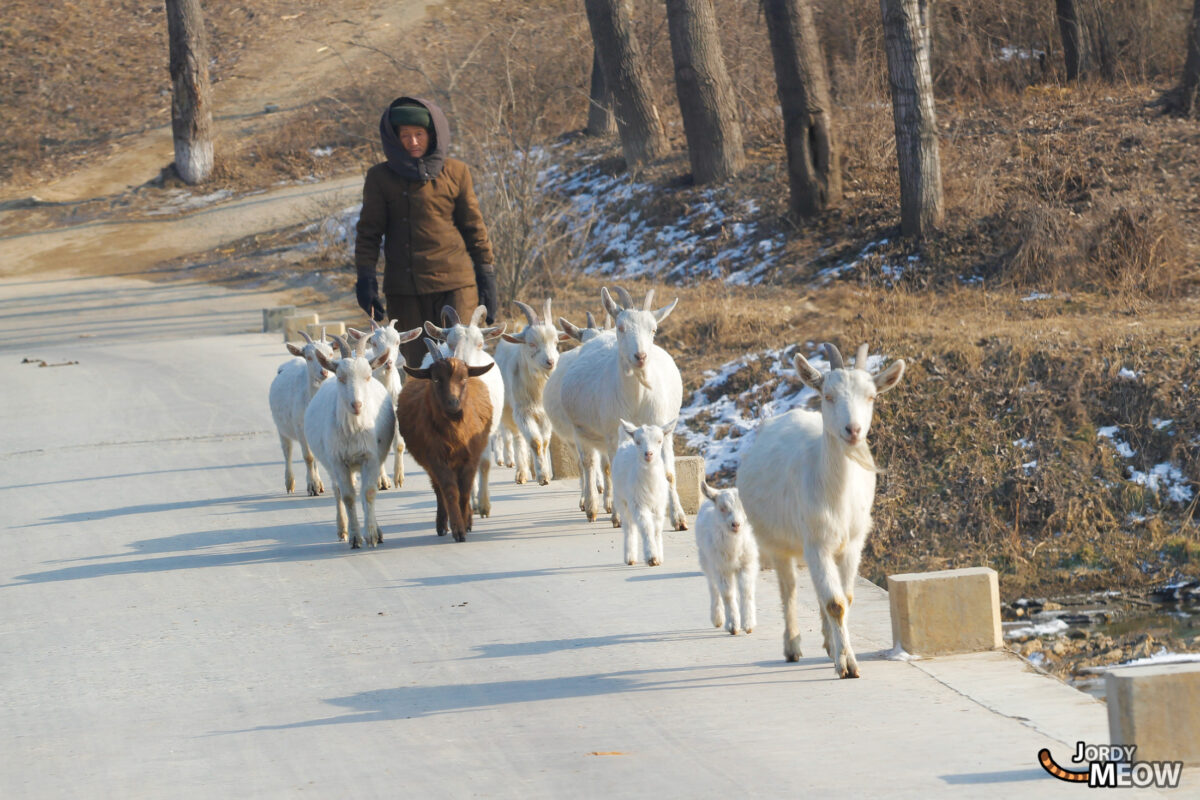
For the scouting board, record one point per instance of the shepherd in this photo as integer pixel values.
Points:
(421, 205)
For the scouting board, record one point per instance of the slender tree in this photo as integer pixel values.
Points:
(1075, 40)
(191, 97)
(906, 41)
(1184, 99)
(802, 84)
(706, 98)
(601, 121)
(641, 131)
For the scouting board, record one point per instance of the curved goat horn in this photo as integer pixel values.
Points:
(530, 314)
(591, 320)
(833, 356)
(860, 358)
(546, 314)
(479, 316)
(434, 349)
(625, 298)
(343, 346)
(649, 300)
(449, 317)
(307, 338)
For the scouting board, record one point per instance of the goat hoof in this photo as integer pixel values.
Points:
(342, 536)
(748, 630)
(460, 536)
(848, 672)
(654, 562)
(681, 525)
(441, 533)
(591, 517)
(631, 562)
(791, 657)
(733, 632)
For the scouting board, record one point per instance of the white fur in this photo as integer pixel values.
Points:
(350, 424)
(640, 489)
(466, 342)
(526, 360)
(295, 383)
(808, 482)
(386, 339)
(626, 377)
(729, 558)
(552, 401)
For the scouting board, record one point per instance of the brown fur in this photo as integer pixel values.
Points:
(836, 612)
(447, 441)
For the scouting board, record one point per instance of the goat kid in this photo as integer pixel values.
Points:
(808, 482)
(729, 558)
(640, 488)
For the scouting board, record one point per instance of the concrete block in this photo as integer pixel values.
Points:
(564, 458)
(330, 328)
(297, 322)
(689, 471)
(1156, 707)
(273, 317)
(944, 612)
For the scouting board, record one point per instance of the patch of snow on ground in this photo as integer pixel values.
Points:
(1112, 433)
(1128, 374)
(1054, 626)
(710, 239)
(1166, 480)
(182, 200)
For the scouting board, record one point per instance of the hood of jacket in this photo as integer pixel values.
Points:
(428, 166)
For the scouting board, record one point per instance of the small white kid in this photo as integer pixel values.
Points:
(729, 558)
(640, 489)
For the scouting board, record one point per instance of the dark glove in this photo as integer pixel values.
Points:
(367, 291)
(489, 293)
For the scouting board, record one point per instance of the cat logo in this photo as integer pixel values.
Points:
(1113, 767)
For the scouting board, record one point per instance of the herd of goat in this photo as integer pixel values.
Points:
(804, 488)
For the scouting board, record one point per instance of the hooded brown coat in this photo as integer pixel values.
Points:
(424, 212)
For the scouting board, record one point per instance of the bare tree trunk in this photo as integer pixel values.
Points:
(191, 98)
(706, 99)
(601, 121)
(906, 40)
(1075, 40)
(1185, 98)
(814, 159)
(641, 131)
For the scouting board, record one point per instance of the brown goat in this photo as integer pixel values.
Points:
(445, 417)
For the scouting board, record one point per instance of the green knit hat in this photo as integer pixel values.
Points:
(410, 115)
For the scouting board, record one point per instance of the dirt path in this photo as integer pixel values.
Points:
(299, 68)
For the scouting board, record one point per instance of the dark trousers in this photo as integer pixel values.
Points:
(411, 311)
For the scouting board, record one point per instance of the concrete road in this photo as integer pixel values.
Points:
(173, 625)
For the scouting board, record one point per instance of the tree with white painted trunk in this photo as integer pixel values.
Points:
(191, 91)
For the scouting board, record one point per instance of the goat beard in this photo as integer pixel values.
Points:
(861, 454)
(639, 373)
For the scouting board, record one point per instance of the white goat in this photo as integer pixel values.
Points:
(387, 339)
(808, 482)
(526, 360)
(640, 488)
(729, 558)
(465, 342)
(626, 377)
(295, 383)
(350, 424)
(552, 398)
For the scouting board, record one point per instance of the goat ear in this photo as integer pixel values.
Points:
(416, 372)
(475, 372)
(669, 428)
(434, 330)
(811, 376)
(563, 336)
(326, 362)
(610, 305)
(514, 338)
(890, 376)
(379, 360)
(628, 427)
(294, 350)
(665, 311)
(494, 331)
(408, 336)
(709, 491)
(355, 334)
